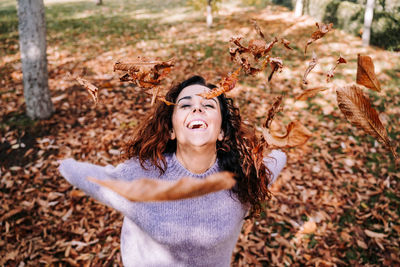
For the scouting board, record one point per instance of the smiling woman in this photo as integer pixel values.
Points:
(196, 138)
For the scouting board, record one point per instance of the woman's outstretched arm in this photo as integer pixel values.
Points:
(275, 161)
(76, 173)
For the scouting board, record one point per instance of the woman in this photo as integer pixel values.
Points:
(196, 137)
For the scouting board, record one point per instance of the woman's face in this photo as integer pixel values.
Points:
(196, 121)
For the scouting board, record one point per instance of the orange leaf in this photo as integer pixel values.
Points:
(143, 72)
(225, 85)
(322, 30)
(296, 135)
(311, 65)
(162, 99)
(286, 44)
(331, 72)
(357, 109)
(366, 73)
(257, 28)
(155, 94)
(146, 189)
(257, 48)
(272, 111)
(93, 90)
(310, 92)
(269, 46)
(276, 65)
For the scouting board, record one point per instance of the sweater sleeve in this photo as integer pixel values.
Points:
(275, 162)
(76, 173)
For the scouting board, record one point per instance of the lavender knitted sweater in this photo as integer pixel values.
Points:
(200, 231)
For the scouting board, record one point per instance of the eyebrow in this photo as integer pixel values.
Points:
(190, 97)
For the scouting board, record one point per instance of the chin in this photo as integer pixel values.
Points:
(201, 142)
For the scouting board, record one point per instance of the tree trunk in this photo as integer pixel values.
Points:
(99, 2)
(369, 14)
(209, 14)
(298, 11)
(32, 38)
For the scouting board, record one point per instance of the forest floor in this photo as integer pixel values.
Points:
(336, 203)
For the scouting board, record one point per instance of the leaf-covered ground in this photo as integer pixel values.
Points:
(336, 203)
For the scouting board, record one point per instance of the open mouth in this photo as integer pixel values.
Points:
(197, 124)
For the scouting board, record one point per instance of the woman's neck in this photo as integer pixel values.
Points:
(196, 160)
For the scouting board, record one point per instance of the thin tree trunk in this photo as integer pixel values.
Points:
(209, 14)
(369, 14)
(298, 11)
(32, 38)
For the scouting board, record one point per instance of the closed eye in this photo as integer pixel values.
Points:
(185, 106)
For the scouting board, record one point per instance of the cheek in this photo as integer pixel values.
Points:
(176, 120)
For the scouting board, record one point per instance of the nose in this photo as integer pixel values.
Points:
(199, 109)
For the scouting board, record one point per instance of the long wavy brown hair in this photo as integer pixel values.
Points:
(240, 152)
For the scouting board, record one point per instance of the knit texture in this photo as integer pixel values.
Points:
(200, 231)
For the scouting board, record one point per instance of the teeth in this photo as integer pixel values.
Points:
(197, 124)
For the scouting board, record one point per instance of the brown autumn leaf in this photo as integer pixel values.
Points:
(331, 72)
(154, 95)
(93, 90)
(162, 99)
(311, 92)
(257, 48)
(366, 73)
(286, 43)
(357, 109)
(248, 57)
(257, 28)
(276, 65)
(158, 97)
(144, 73)
(296, 135)
(225, 85)
(269, 46)
(322, 30)
(146, 189)
(272, 111)
(311, 65)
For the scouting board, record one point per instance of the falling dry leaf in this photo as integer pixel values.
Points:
(158, 97)
(269, 46)
(276, 65)
(144, 73)
(311, 92)
(272, 111)
(358, 111)
(286, 44)
(248, 57)
(322, 30)
(162, 99)
(146, 189)
(257, 28)
(93, 90)
(257, 48)
(225, 85)
(366, 73)
(331, 72)
(155, 93)
(296, 135)
(311, 65)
